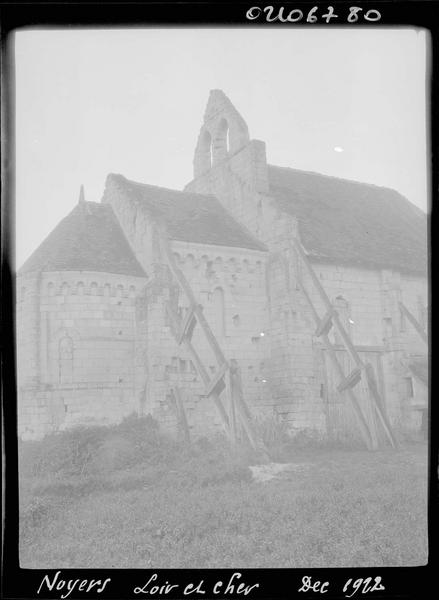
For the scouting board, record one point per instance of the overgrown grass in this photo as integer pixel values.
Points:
(128, 496)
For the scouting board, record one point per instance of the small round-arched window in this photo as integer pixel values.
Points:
(221, 142)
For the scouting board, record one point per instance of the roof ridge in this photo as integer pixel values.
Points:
(161, 187)
(337, 178)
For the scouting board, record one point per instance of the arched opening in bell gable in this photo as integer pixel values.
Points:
(205, 151)
(221, 142)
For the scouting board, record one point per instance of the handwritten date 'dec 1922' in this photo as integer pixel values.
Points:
(350, 588)
(317, 14)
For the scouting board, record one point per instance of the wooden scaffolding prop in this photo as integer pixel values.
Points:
(226, 379)
(418, 327)
(183, 425)
(368, 427)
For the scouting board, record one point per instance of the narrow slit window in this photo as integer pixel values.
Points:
(409, 387)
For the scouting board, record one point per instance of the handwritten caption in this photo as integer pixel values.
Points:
(227, 587)
(153, 587)
(350, 588)
(317, 14)
(233, 586)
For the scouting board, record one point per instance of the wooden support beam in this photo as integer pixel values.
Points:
(350, 381)
(237, 381)
(379, 405)
(234, 434)
(184, 284)
(326, 301)
(217, 383)
(361, 348)
(187, 326)
(183, 334)
(368, 437)
(181, 413)
(325, 324)
(242, 411)
(367, 430)
(373, 390)
(199, 366)
(405, 311)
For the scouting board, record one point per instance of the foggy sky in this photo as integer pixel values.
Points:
(91, 102)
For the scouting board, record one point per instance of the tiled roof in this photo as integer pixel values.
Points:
(187, 216)
(88, 239)
(353, 223)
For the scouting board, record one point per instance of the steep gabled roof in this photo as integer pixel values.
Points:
(353, 223)
(188, 217)
(88, 239)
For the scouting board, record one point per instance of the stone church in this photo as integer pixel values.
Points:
(315, 288)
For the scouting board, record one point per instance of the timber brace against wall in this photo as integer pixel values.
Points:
(226, 380)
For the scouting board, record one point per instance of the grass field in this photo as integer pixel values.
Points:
(128, 497)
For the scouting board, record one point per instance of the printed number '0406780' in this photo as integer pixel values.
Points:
(363, 586)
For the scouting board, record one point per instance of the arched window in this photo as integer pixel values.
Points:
(190, 261)
(219, 311)
(220, 145)
(65, 359)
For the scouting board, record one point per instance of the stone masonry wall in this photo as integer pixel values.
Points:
(229, 284)
(296, 367)
(367, 304)
(241, 184)
(87, 345)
